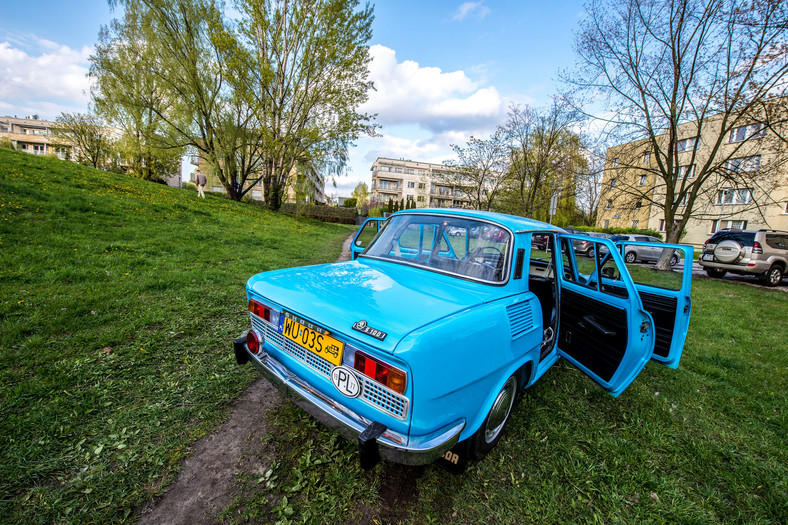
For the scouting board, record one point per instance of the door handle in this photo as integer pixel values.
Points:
(589, 320)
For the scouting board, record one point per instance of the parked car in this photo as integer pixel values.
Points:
(417, 349)
(644, 253)
(747, 252)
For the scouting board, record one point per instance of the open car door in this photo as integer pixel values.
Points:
(603, 328)
(365, 234)
(664, 290)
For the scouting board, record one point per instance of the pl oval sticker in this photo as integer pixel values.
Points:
(345, 381)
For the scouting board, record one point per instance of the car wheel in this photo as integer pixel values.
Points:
(488, 435)
(590, 253)
(715, 272)
(774, 276)
(674, 260)
(630, 257)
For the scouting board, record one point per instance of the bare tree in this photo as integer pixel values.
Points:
(87, 135)
(479, 172)
(678, 81)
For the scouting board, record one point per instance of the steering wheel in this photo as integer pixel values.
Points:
(478, 256)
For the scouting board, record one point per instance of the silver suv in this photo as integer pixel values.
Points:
(747, 252)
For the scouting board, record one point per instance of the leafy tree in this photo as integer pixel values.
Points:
(545, 159)
(679, 76)
(390, 207)
(88, 136)
(308, 78)
(360, 194)
(479, 172)
(350, 202)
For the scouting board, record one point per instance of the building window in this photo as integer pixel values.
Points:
(385, 185)
(728, 225)
(745, 164)
(642, 181)
(785, 210)
(421, 172)
(751, 131)
(638, 204)
(609, 204)
(411, 184)
(729, 196)
(420, 198)
(613, 183)
(646, 157)
(397, 170)
(38, 149)
(615, 162)
(410, 172)
(385, 168)
(686, 172)
(683, 201)
(662, 225)
(635, 223)
(687, 144)
(421, 185)
(606, 223)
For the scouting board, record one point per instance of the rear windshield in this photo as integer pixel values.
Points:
(459, 246)
(745, 238)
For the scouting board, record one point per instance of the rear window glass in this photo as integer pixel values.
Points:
(746, 238)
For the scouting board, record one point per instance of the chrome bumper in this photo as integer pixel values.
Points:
(392, 446)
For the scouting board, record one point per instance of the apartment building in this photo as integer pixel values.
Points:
(302, 180)
(32, 135)
(749, 189)
(423, 183)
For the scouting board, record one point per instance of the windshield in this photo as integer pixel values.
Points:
(460, 246)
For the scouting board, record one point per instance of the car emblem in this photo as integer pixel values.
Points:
(345, 381)
(364, 328)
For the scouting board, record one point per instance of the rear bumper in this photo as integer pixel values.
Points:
(392, 446)
(749, 266)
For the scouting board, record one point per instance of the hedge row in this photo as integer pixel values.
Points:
(322, 213)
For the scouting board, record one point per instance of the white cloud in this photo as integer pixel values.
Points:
(48, 79)
(407, 93)
(476, 9)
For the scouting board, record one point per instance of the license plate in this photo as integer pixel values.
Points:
(708, 257)
(315, 340)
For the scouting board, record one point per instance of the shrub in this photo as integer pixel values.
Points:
(323, 213)
(6, 143)
(350, 202)
(377, 211)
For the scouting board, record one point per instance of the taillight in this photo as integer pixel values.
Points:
(383, 373)
(757, 248)
(254, 341)
(260, 310)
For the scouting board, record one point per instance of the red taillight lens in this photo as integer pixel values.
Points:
(383, 373)
(756, 247)
(254, 341)
(260, 310)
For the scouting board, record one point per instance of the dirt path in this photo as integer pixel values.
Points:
(206, 485)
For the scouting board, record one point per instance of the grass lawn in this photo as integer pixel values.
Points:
(118, 302)
(118, 299)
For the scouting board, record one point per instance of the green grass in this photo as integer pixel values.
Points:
(119, 300)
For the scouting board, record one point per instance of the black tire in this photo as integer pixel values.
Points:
(488, 435)
(630, 257)
(716, 273)
(590, 253)
(774, 276)
(674, 260)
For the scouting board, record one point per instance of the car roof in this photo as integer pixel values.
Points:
(512, 222)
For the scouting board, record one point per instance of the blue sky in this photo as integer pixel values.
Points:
(444, 70)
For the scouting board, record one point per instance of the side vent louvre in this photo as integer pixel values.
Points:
(521, 318)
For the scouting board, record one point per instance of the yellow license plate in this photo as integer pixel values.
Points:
(323, 345)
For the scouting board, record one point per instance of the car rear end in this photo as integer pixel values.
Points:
(735, 251)
(352, 386)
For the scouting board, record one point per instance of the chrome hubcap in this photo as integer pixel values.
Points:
(500, 410)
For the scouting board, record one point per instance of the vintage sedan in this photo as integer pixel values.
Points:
(418, 348)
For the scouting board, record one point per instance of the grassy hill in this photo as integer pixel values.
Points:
(120, 298)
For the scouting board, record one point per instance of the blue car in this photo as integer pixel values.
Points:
(418, 347)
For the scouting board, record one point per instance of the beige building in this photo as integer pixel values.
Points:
(306, 181)
(421, 182)
(32, 135)
(749, 189)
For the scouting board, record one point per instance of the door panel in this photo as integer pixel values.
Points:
(665, 294)
(603, 327)
(365, 234)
